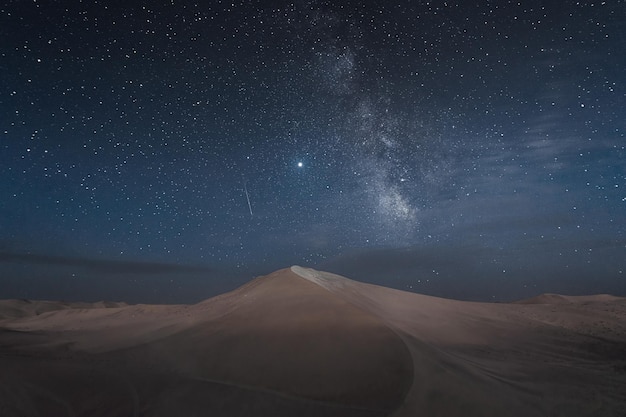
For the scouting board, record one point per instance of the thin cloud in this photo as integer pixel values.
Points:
(99, 265)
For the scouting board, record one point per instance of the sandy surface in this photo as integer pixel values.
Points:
(300, 342)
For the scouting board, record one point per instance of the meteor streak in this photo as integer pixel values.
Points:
(245, 189)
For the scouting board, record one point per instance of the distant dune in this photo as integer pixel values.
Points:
(300, 342)
(568, 299)
(25, 308)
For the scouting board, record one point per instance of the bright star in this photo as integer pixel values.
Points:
(300, 164)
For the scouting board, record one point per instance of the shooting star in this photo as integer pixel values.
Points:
(245, 189)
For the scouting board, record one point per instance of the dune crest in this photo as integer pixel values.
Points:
(311, 343)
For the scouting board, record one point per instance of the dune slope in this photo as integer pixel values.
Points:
(561, 359)
(280, 342)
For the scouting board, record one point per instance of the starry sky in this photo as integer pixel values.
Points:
(166, 151)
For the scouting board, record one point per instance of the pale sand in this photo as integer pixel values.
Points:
(300, 342)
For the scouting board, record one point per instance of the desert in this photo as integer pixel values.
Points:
(311, 343)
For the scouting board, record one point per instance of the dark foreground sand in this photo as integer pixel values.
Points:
(300, 342)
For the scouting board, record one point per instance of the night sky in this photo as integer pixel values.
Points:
(166, 151)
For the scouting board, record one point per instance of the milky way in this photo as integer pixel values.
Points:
(468, 150)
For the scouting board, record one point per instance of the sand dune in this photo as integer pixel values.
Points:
(568, 299)
(309, 343)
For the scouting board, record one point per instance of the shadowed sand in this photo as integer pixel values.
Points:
(309, 343)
